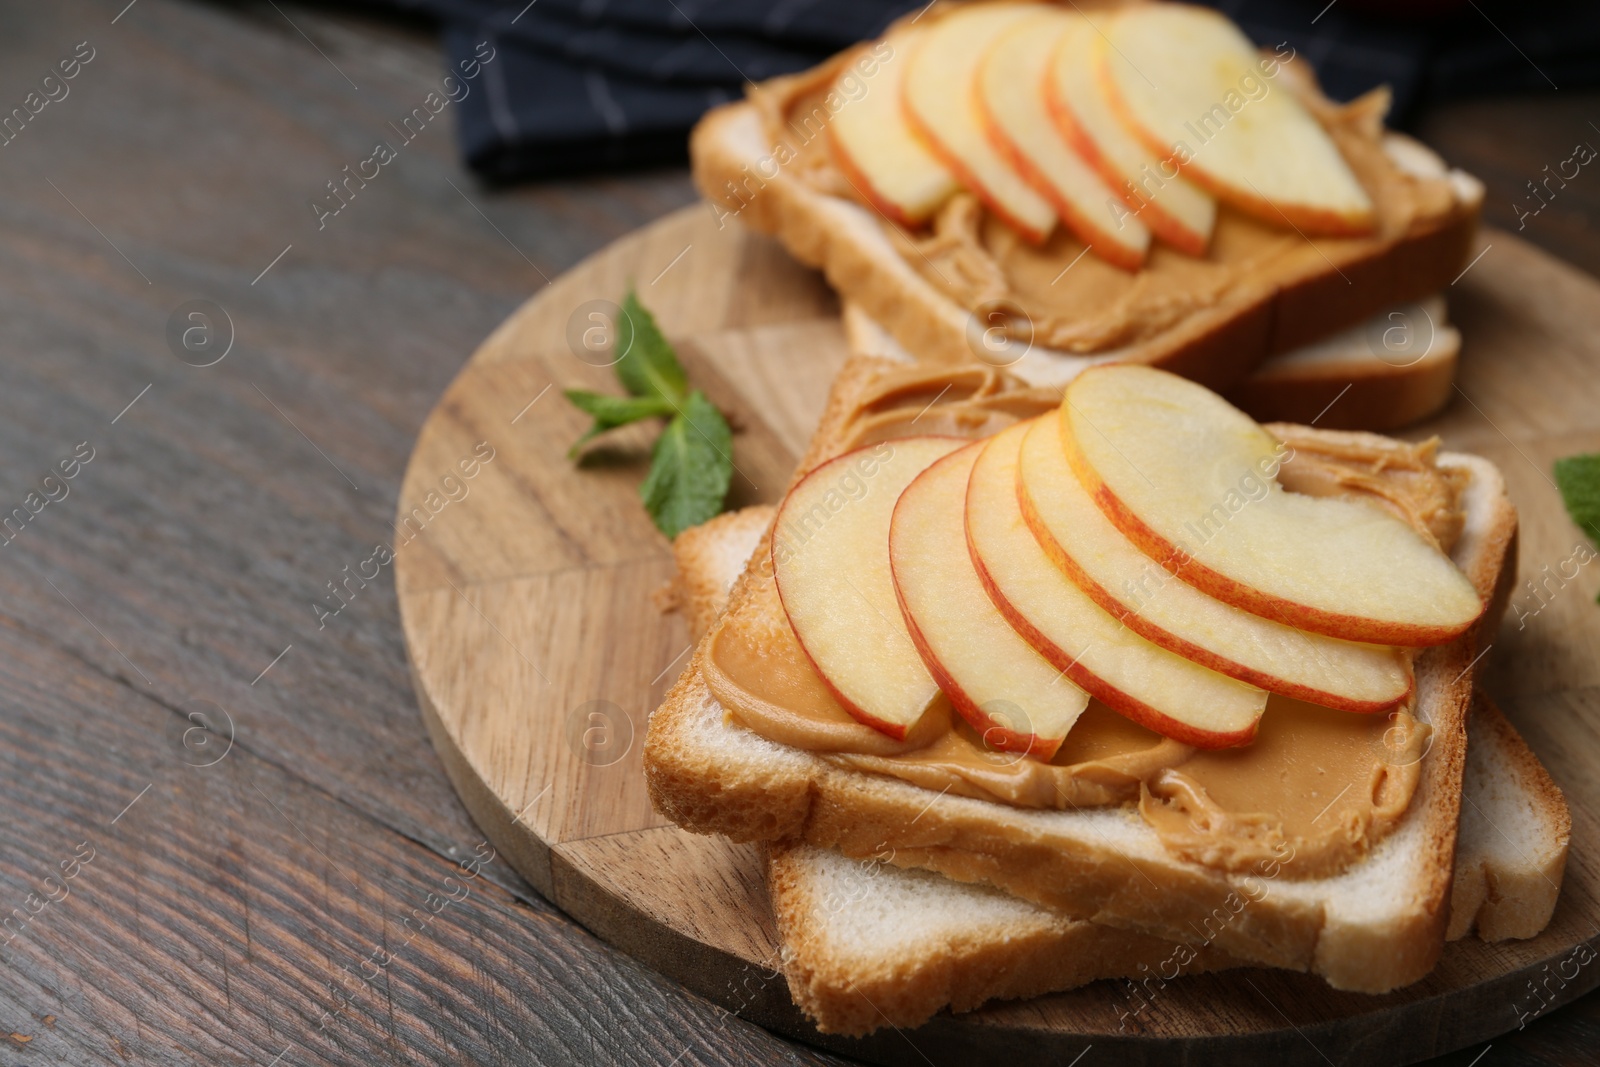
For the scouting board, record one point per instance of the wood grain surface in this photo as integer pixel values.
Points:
(232, 905)
(537, 655)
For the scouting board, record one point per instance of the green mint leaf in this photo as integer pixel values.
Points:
(612, 411)
(1578, 478)
(618, 410)
(691, 466)
(648, 366)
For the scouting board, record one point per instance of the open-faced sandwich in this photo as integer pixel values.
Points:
(1126, 675)
(1047, 187)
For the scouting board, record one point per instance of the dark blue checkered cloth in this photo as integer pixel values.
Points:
(580, 86)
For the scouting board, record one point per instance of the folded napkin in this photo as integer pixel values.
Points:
(590, 85)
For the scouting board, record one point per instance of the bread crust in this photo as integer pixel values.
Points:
(1217, 346)
(1020, 952)
(1370, 395)
(1507, 884)
(1352, 389)
(703, 555)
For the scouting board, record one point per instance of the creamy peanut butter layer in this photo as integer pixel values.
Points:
(1327, 784)
(982, 264)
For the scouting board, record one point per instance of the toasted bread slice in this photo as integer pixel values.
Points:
(1341, 382)
(757, 162)
(1378, 925)
(867, 944)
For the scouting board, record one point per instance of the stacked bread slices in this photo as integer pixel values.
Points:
(868, 944)
(1006, 180)
(1370, 924)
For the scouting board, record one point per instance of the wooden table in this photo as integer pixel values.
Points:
(226, 839)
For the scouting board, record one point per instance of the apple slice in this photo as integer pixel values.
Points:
(1210, 106)
(830, 560)
(1178, 617)
(996, 681)
(1151, 191)
(1189, 478)
(1010, 78)
(879, 153)
(1140, 680)
(942, 103)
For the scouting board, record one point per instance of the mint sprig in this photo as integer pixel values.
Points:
(649, 366)
(612, 411)
(691, 463)
(1578, 478)
(689, 467)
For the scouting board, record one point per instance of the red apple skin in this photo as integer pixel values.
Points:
(1162, 224)
(1122, 703)
(1311, 221)
(965, 176)
(894, 730)
(898, 731)
(1079, 223)
(994, 734)
(1142, 626)
(889, 729)
(1118, 701)
(858, 181)
(1231, 591)
(1074, 218)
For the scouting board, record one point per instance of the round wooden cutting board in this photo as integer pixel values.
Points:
(526, 588)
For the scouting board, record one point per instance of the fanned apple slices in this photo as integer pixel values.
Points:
(942, 105)
(830, 559)
(1154, 193)
(995, 680)
(1180, 618)
(1155, 688)
(877, 150)
(1133, 546)
(1124, 127)
(1010, 79)
(1188, 478)
(1194, 89)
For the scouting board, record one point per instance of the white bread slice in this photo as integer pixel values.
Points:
(867, 944)
(1511, 851)
(1344, 380)
(1378, 925)
(746, 177)
(1340, 382)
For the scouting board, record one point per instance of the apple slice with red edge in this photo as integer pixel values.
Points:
(1190, 479)
(941, 102)
(830, 560)
(1210, 106)
(1140, 680)
(1157, 605)
(995, 680)
(1010, 81)
(881, 156)
(1150, 192)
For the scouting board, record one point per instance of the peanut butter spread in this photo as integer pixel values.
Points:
(1327, 784)
(982, 264)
